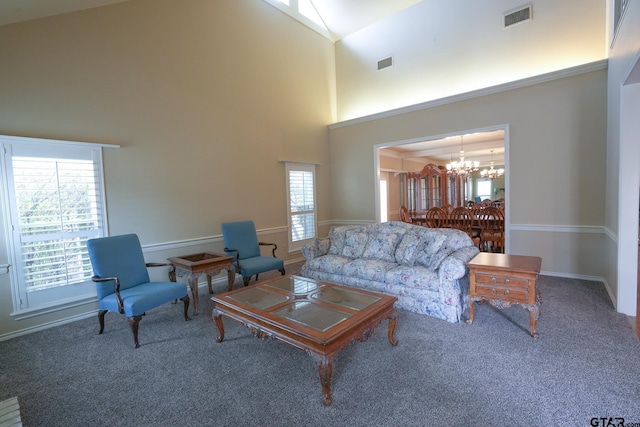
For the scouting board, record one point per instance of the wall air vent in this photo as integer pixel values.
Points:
(384, 63)
(519, 15)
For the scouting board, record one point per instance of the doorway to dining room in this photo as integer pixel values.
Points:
(397, 160)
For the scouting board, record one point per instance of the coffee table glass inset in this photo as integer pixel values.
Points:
(320, 318)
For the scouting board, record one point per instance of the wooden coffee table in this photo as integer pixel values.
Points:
(317, 317)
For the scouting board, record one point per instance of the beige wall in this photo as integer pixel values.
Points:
(556, 159)
(446, 48)
(205, 98)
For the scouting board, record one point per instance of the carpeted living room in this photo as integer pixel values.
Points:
(193, 114)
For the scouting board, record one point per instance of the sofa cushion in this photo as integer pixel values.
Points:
(332, 264)
(354, 243)
(382, 246)
(416, 277)
(428, 251)
(368, 269)
(406, 249)
(336, 236)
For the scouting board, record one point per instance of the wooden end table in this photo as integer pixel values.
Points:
(504, 280)
(194, 265)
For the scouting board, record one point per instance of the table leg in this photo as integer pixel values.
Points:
(471, 312)
(534, 313)
(209, 283)
(217, 317)
(392, 327)
(325, 369)
(231, 276)
(193, 284)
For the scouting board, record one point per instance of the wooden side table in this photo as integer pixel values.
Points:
(194, 265)
(504, 280)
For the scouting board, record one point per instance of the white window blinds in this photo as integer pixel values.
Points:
(302, 204)
(56, 203)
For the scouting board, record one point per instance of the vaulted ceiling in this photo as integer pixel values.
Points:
(342, 17)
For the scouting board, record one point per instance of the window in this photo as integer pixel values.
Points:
(54, 203)
(301, 206)
(304, 11)
(306, 8)
(483, 188)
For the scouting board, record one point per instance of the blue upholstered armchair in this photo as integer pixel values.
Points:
(241, 242)
(122, 281)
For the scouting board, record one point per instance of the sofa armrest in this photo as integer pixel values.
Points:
(318, 247)
(454, 266)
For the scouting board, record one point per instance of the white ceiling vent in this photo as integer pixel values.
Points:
(384, 63)
(519, 15)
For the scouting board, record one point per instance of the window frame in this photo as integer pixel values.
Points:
(300, 167)
(30, 303)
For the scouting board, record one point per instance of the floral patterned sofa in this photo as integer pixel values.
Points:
(425, 268)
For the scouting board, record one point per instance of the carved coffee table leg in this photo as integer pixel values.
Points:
(392, 327)
(325, 369)
(217, 317)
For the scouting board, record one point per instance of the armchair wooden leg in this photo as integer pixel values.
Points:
(246, 280)
(185, 299)
(101, 314)
(282, 271)
(133, 322)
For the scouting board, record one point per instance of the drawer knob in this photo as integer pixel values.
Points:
(506, 281)
(493, 280)
(506, 291)
(493, 290)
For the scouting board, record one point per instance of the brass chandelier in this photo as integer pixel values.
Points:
(491, 173)
(462, 167)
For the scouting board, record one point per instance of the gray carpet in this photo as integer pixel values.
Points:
(586, 364)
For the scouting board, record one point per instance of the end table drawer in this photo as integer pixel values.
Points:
(495, 280)
(502, 292)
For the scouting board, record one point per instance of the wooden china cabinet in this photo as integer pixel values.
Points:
(457, 190)
(432, 187)
(426, 189)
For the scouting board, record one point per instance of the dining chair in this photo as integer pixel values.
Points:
(492, 229)
(404, 215)
(436, 217)
(460, 218)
